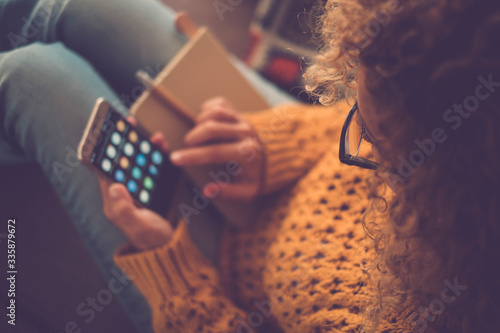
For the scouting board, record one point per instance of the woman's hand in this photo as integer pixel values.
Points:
(222, 136)
(144, 228)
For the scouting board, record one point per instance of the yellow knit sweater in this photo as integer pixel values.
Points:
(297, 269)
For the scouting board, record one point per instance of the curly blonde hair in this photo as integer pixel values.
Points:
(425, 60)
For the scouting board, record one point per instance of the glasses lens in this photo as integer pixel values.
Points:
(355, 144)
(354, 137)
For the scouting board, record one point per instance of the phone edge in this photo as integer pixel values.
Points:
(97, 107)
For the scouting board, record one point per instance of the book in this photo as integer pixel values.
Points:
(201, 70)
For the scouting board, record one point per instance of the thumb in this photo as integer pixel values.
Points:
(121, 207)
(144, 228)
(119, 192)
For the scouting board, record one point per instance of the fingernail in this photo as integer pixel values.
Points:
(175, 156)
(211, 190)
(114, 192)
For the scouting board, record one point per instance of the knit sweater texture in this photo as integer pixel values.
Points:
(297, 269)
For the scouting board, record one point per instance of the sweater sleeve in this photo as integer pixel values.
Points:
(295, 137)
(181, 286)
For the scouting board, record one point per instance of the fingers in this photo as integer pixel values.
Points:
(218, 109)
(217, 101)
(143, 228)
(218, 114)
(212, 154)
(159, 140)
(210, 131)
(131, 120)
(242, 152)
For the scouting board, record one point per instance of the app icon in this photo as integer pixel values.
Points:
(148, 183)
(145, 147)
(140, 160)
(116, 138)
(106, 165)
(119, 176)
(132, 186)
(144, 196)
(156, 157)
(133, 137)
(124, 163)
(128, 149)
(136, 173)
(120, 125)
(111, 151)
(153, 170)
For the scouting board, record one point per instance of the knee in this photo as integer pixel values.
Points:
(33, 65)
(48, 74)
(47, 80)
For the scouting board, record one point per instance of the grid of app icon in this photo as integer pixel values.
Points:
(129, 158)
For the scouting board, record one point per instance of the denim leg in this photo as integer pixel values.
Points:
(46, 95)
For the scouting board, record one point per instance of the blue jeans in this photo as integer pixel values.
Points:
(58, 57)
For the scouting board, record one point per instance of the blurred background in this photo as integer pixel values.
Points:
(55, 271)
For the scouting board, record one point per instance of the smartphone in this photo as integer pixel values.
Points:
(123, 153)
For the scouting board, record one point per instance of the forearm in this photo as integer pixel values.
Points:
(181, 286)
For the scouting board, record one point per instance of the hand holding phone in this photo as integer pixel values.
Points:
(143, 228)
(122, 153)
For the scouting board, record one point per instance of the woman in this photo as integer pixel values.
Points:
(426, 75)
(56, 58)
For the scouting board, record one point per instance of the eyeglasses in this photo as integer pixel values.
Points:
(354, 148)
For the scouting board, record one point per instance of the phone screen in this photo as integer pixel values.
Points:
(128, 157)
